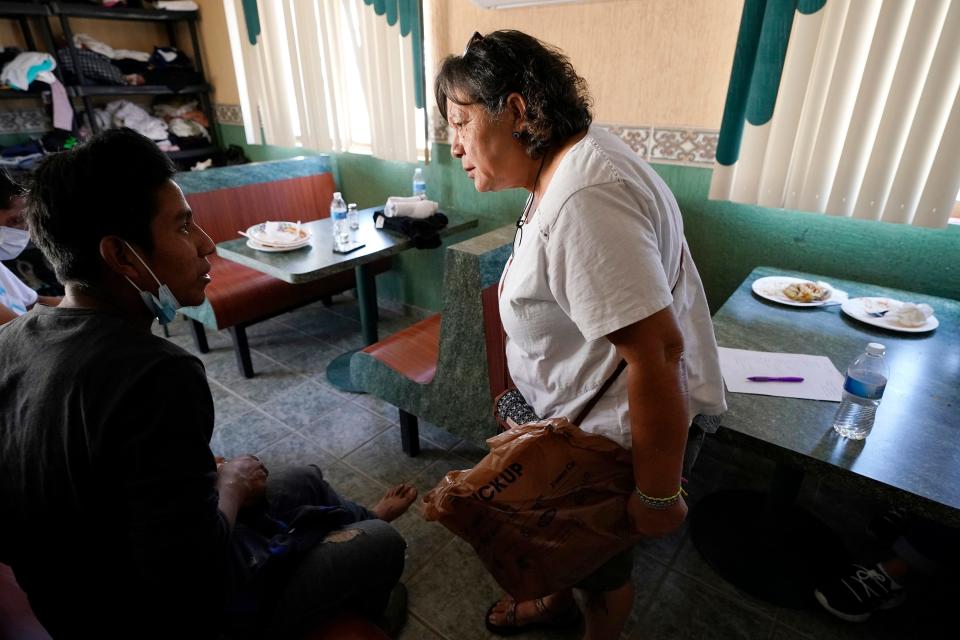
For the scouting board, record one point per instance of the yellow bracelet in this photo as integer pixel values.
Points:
(659, 503)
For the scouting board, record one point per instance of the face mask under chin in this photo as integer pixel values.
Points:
(164, 304)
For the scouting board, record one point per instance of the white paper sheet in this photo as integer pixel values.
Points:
(821, 380)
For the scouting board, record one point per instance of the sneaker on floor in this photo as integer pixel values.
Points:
(861, 592)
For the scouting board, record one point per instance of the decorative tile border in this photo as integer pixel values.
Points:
(228, 114)
(690, 146)
(668, 145)
(31, 120)
(637, 138)
(36, 120)
(684, 146)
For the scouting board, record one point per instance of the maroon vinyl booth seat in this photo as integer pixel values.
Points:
(413, 353)
(239, 296)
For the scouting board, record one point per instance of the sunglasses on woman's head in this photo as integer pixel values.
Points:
(475, 38)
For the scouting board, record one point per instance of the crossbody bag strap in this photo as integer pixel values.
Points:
(623, 363)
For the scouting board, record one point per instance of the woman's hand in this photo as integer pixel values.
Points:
(655, 523)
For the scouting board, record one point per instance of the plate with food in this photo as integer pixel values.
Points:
(281, 235)
(253, 244)
(891, 314)
(795, 292)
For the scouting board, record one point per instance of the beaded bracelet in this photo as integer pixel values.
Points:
(659, 503)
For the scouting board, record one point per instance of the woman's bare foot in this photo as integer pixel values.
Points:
(395, 502)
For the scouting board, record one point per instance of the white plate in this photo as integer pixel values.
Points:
(253, 244)
(256, 233)
(771, 288)
(857, 309)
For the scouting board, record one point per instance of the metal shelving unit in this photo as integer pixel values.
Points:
(84, 90)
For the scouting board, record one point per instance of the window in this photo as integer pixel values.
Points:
(846, 108)
(330, 75)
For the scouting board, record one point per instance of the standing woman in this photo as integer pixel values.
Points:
(600, 274)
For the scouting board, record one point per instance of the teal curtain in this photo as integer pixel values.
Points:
(408, 13)
(757, 67)
(251, 16)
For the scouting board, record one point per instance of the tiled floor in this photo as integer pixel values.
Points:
(289, 415)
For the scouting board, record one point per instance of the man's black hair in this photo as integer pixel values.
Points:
(9, 189)
(105, 187)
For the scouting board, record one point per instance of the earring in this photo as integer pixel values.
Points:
(516, 135)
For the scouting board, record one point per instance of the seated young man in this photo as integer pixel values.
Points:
(114, 514)
(16, 298)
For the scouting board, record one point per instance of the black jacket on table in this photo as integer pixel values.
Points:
(108, 505)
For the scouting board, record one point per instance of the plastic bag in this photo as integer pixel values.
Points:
(544, 509)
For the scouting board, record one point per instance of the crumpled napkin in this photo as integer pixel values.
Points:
(837, 296)
(909, 314)
(411, 207)
(279, 233)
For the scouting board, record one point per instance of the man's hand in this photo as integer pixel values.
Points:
(244, 478)
(655, 523)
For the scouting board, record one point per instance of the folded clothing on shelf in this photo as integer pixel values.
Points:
(187, 129)
(168, 66)
(84, 41)
(26, 67)
(25, 155)
(58, 140)
(168, 56)
(187, 125)
(21, 163)
(123, 113)
(30, 66)
(176, 5)
(27, 148)
(128, 66)
(179, 107)
(95, 67)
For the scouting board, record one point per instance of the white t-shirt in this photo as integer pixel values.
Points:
(601, 252)
(15, 295)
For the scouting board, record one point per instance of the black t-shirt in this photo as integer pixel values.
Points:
(108, 506)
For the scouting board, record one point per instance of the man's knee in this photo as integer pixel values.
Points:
(377, 541)
(308, 475)
(384, 536)
(296, 486)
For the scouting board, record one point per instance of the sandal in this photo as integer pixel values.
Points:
(567, 619)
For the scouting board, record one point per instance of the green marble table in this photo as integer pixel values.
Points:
(911, 459)
(913, 451)
(318, 260)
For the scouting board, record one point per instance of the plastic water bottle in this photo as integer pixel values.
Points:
(352, 216)
(341, 226)
(419, 184)
(862, 391)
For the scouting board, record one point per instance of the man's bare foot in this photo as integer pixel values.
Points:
(395, 502)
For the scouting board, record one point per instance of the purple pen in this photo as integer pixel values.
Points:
(774, 379)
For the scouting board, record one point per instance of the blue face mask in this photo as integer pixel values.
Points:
(12, 242)
(164, 305)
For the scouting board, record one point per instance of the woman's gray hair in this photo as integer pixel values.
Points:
(504, 62)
